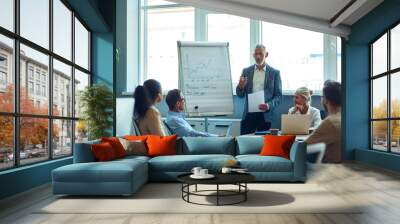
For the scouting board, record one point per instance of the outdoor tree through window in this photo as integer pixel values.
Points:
(45, 120)
(385, 95)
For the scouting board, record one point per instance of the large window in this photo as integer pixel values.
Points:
(7, 14)
(385, 94)
(62, 37)
(81, 45)
(40, 81)
(297, 53)
(34, 24)
(165, 27)
(305, 58)
(235, 30)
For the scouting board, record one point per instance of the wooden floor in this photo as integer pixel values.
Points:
(377, 188)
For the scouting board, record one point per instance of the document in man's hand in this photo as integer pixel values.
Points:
(254, 101)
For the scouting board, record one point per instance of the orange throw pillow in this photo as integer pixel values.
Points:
(103, 152)
(135, 138)
(277, 145)
(161, 145)
(116, 145)
(142, 138)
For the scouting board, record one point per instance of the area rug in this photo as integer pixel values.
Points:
(166, 198)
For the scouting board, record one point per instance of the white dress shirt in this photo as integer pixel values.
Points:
(176, 121)
(259, 78)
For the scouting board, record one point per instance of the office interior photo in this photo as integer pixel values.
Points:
(199, 111)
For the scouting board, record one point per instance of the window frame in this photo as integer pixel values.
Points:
(16, 115)
(201, 34)
(388, 74)
(143, 37)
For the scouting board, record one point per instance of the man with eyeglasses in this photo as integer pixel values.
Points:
(176, 119)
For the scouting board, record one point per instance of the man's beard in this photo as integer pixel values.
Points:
(260, 63)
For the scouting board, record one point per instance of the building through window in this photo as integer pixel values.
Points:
(53, 125)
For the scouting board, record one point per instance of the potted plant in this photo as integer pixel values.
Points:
(97, 103)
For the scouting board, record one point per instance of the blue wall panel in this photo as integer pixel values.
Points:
(24, 178)
(357, 84)
(380, 159)
(102, 58)
(90, 13)
(356, 99)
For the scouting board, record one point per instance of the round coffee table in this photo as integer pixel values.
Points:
(238, 179)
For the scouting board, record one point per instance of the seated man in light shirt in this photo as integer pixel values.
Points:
(176, 119)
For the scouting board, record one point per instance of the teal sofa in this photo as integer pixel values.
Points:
(125, 176)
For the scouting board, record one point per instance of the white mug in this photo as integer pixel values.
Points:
(226, 170)
(196, 171)
(203, 172)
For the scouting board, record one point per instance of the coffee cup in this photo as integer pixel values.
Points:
(203, 172)
(196, 171)
(226, 170)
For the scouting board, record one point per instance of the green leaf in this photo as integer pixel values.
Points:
(97, 103)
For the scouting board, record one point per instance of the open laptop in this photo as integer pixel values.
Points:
(295, 124)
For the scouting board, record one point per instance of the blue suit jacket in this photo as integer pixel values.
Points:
(272, 89)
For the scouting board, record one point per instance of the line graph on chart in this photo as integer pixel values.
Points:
(205, 79)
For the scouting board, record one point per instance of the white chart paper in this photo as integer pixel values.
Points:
(254, 100)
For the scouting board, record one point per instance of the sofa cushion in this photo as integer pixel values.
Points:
(112, 171)
(208, 145)
(103, 152)
(185, 163)
(257, 163)
(134, 147)
(136, 138)
(116, 145)
(133, 158)
(83, 152)
(161, 145)
(249, 144)
(277, 145)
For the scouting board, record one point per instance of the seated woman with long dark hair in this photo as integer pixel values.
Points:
(146, 114)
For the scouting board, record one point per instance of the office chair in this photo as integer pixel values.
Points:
(167, 128)
(135, 128)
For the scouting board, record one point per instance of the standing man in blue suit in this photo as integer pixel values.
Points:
(259, 77)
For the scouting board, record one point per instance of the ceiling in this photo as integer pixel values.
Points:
(327, 16)
(320, 9)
